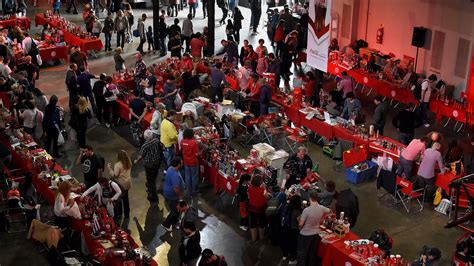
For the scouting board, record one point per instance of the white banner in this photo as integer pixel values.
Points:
(318, 34)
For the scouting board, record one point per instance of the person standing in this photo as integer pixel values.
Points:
(426, 88)
(170, 93)
(187, 31)
(163, 33)
(121, 27)
(190, 248)
(72, 3)
(156, 119)
(232, 51)
(120, 173)
(222, 4)
(92, 165)
(291, 229)
(173, 7)
(169, 137)
(432, 159)
(217, 78)
(309, 239)
(298, 167)
(265, 97)
(256, 10)
(79, 58)
(110, 94)
(405, 122)
(137, 108)
(352, 107)
(173, 191)
(415, 149)
(85, 88)
(30, 117)
(151, 152)
(118, 60)
(192, 7)
(257, 203)
(190, 151)
(196, 46)
(71, 84)
(141, 32)
(51, 126)
(149, 39)
(238, 18)
(98, 91)
(380, 114)
(107, 30)
(107, 193)
(175, 45)
(81, 114)
(242, 197)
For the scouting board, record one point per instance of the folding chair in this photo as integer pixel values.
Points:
(404, 193)
(295, 137)
(250, 129)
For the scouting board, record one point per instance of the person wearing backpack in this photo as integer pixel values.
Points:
(291, 231)
(274, 212)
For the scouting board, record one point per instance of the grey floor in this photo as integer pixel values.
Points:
(219, 220)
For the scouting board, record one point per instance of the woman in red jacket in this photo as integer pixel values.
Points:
(256, 208)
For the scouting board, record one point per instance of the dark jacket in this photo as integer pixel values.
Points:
(108, 26)
(98, 90)
(406, 121)
(238, 17)
(380, 114)
(173, 29)
(265, 94)
(192, 250)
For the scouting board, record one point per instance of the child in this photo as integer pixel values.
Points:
(149, 38)
(242, 197)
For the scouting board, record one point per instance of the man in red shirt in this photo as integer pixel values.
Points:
(190, 150)
(196, 45)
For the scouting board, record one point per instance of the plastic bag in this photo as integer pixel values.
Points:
(438, 196)
(61, 140)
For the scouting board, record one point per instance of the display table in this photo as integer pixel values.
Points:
(53, 53)
(71, 39)
(450, 111)
(44, 190)
(381, 87)
(22, 22)
(217, 179)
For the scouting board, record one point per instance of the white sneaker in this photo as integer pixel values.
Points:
(243, 228)
(292, 262)
(284, 258)
(427, 125)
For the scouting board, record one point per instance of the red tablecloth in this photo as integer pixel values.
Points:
(209, 172)
(317, 126)
(342, 133)
(381, 87)
(54, 52)
(5, 99)
(71, 39)
(441, 110)
(21, 22)
(123, 112)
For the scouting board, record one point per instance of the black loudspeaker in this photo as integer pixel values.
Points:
(418, 38)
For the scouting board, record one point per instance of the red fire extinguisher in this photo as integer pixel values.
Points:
(379, 38)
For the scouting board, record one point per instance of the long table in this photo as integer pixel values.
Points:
(71, 39)
(54, 52)
(22, 22)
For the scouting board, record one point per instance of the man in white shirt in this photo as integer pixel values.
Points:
(26, 43)
(426, 87)
(309, 239)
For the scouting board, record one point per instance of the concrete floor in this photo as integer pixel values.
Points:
(219, 220)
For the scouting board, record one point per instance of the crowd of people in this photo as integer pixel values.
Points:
(170, 141)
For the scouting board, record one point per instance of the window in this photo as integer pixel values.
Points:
(462, 58)
(346, 21)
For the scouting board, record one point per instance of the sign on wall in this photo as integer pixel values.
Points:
(318, 34)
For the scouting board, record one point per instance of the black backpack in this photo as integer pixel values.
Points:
(286, 218)
(382, 239)
(34, 49)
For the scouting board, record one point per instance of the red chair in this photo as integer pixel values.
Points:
(404, 193)
(295, 137)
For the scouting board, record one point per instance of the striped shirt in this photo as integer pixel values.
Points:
(151, 151)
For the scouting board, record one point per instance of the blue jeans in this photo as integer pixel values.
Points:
(424, 112)
(191, 178)
(168, 153)
(163, 45)
(405, 167)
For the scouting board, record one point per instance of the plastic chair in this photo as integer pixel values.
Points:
(404, 193)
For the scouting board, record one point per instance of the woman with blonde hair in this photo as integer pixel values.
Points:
(63, 204)
(121, 174)
(79, 116)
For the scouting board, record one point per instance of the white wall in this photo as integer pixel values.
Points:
(454, 17)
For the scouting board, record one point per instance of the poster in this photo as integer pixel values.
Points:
(318, 34)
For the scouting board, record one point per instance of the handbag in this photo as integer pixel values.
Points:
(438, 196)
(136, 33)
(273, 206)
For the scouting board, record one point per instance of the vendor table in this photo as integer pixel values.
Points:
(457, 113)
(335, 253)
(21, 22)
(54, 52)
(384, 88)
(342, 133)
(216, 178)
(71, 39)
